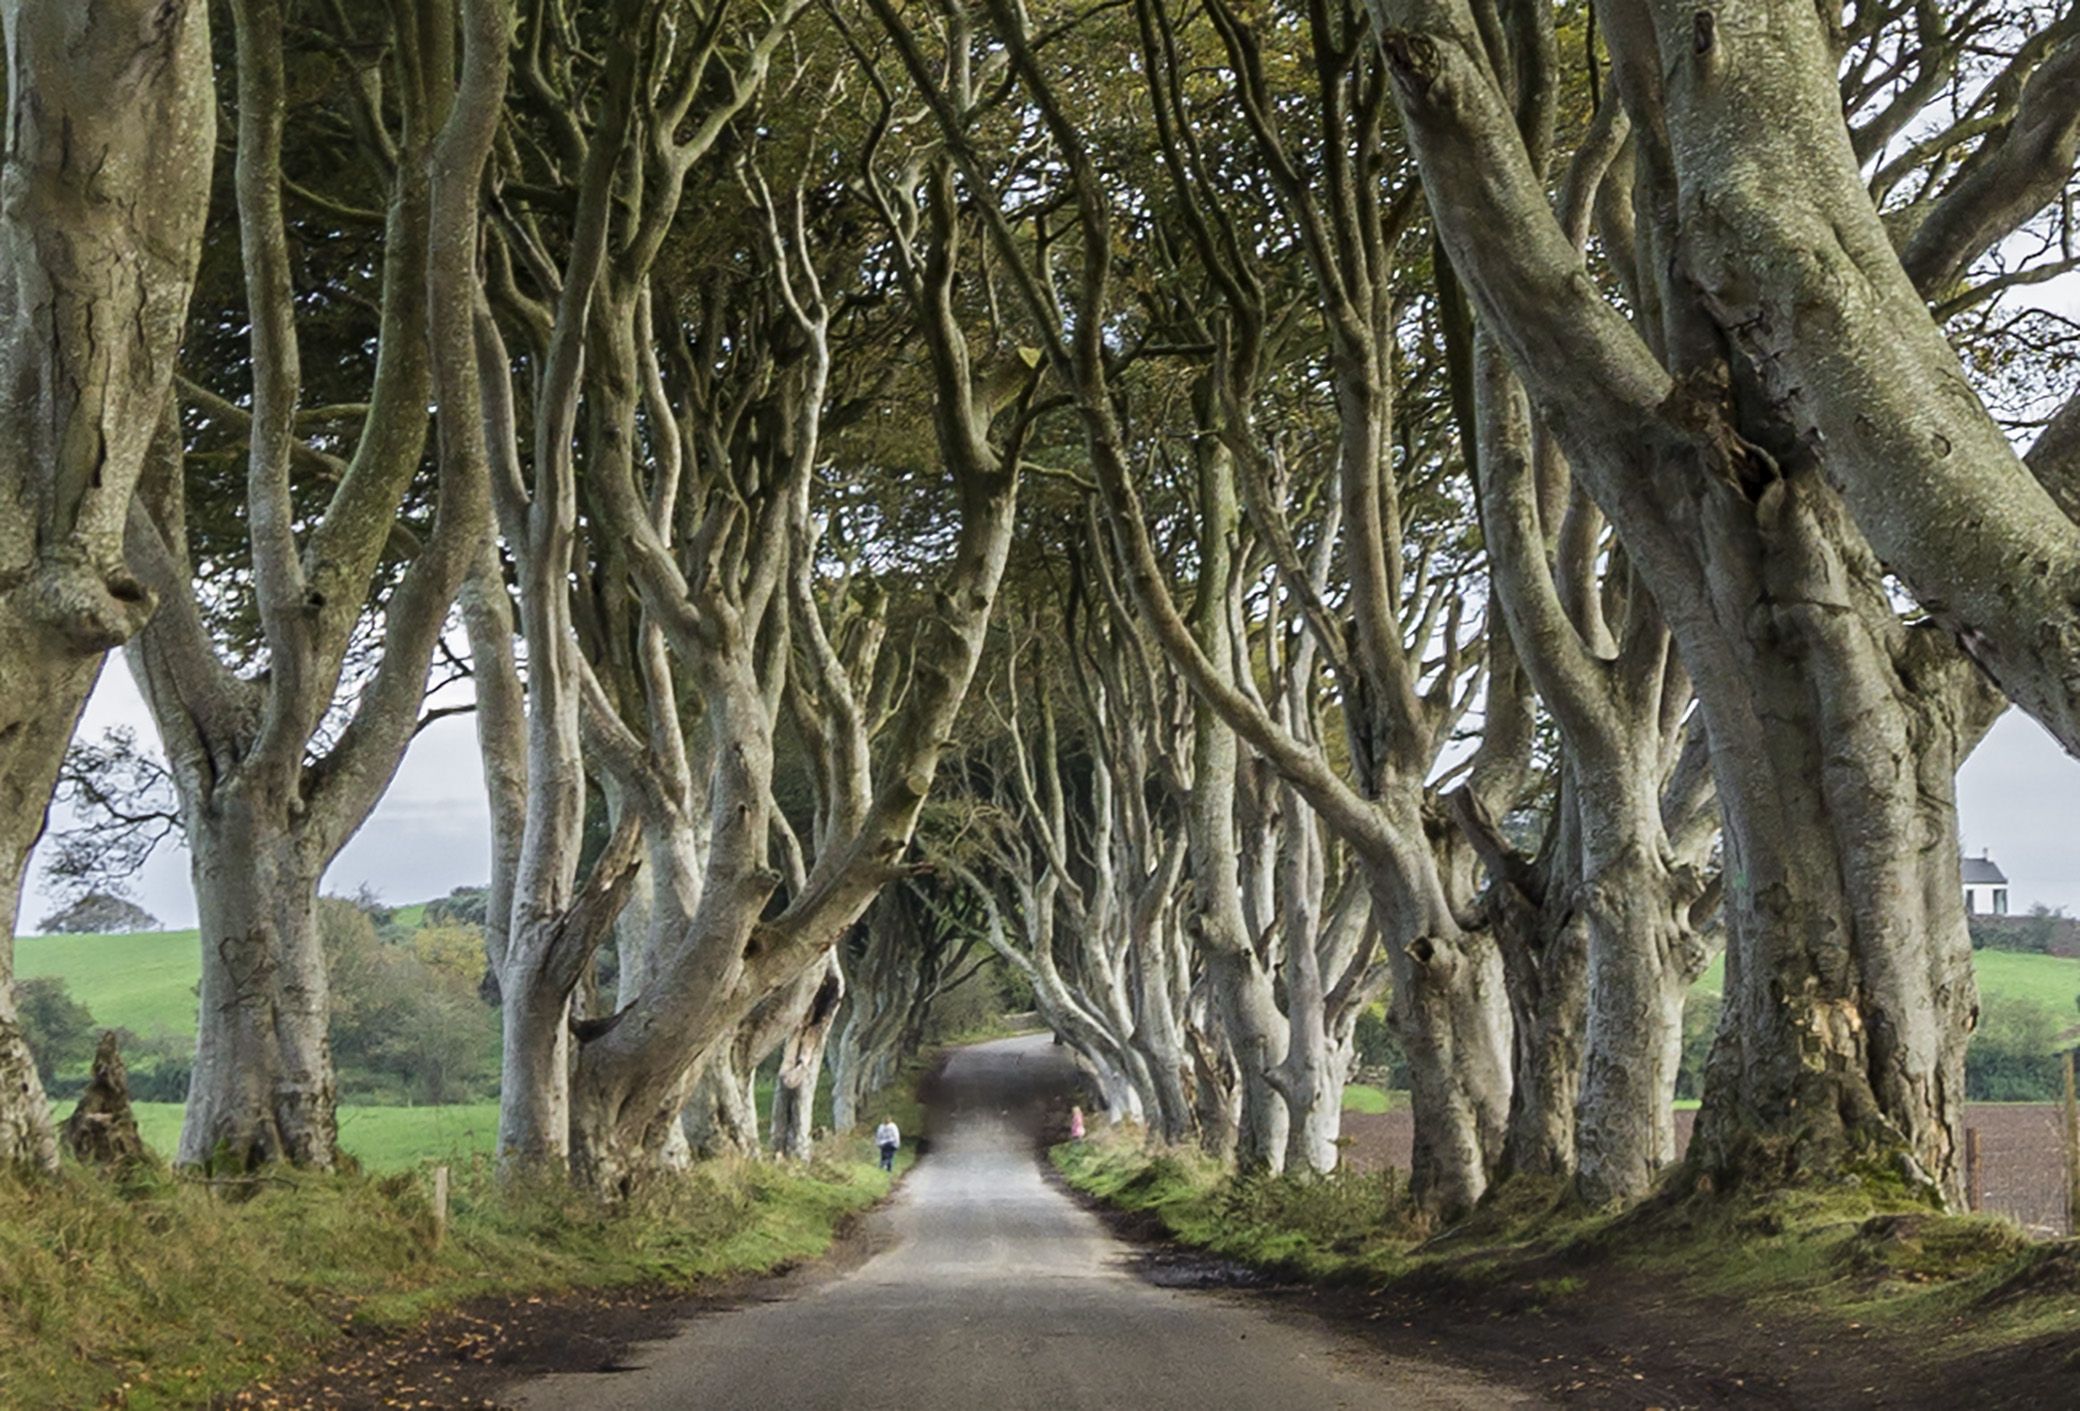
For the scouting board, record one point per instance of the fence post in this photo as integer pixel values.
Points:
(2072, 1152)
(1972, 1193)
(440, 1205)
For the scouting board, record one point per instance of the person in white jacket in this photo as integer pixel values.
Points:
(888, 1139)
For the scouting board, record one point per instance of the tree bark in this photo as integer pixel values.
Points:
(721, 1114)
(262, 1088)
(110, 136)
(801, 1064)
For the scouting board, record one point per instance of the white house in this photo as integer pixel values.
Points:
(1985, 887)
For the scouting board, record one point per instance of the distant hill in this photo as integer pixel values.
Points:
(143, 981)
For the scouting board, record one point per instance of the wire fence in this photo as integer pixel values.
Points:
(2015, 1165)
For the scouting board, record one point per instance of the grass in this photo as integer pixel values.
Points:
(157, 1291)
(1858, 1254)
(144, 983)
(2050, 980)
(1324, 1229)
(160, 1292)
(1364, 1097)
(380, 1138)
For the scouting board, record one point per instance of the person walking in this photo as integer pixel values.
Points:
(888, 1139)
(1076, 1124)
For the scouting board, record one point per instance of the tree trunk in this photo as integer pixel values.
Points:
(110, 133)
(1158, 1030)
(1450, 1009)
(534, 1115)
(262, 1088)
(1849, 986)
(801, 1064)
(1245, 1005)
(721, 1108)
(1643, 955)
(1545, 956)
(38, 714)
(501, 721)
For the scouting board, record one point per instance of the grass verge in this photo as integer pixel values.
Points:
(159, 1290)
(1952, 1296)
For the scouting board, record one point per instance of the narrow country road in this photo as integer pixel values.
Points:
(997, 1291)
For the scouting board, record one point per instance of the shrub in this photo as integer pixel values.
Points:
(464, 906)
(2011, 1057)
(455, 950)
(60, 1030)
(402, 1030)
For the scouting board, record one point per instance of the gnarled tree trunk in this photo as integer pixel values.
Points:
(262, 1088)
(801, 1063)
(111, 129)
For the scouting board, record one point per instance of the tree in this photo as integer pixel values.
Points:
(278, 756)
(59, 1029)
(1448, 989)
(402, 1029)
(100, 912)
(1835, 728)
(111, 122)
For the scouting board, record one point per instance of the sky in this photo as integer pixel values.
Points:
(430, 834)
(2018, 798)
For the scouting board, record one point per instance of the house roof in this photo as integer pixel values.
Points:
(1980, 871)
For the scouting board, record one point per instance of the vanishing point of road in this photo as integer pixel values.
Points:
(994, 1291)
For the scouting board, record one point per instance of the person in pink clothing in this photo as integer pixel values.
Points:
(1075, 1124)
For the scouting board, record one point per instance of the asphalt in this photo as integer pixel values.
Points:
(994, 1289)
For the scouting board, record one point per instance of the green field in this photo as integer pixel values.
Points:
(380, 1138)
(144, 983)
(1363, 1097)
(2050, 980)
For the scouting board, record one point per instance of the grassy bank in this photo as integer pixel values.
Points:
(382, 1139)
(1860, 1262)
(163, 1291)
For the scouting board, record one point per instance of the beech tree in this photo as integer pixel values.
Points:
(903, 955)
(1449, 1004)
(276, 756)
(689, 419)
(111, 126)
(1835, 728)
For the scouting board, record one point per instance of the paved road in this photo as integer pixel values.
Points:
(996, 1290)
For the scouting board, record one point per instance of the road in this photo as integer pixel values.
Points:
(995, 1291)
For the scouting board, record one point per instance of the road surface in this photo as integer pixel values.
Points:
(995, 1291)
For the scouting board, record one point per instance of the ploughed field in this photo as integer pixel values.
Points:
(2022, 1173)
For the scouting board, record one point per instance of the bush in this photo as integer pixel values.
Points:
(2011, 1057)
(1377, 1049)
(465, 906)
(403, 1031)
(454, 950)
(60, 1030)
(2042, 931)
